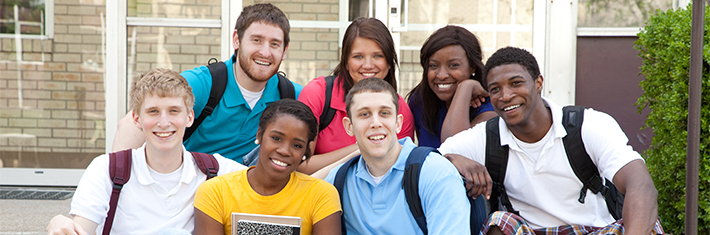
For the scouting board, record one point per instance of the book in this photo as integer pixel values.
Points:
(258, 224)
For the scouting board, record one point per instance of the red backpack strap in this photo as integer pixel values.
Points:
(120, 172)
(207, 163)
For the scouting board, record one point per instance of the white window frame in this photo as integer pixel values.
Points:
(48, 25)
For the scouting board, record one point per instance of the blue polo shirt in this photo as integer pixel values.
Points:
(231, 129)
(382, 208)
(429, 139)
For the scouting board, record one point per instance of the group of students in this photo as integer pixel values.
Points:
(356, 117)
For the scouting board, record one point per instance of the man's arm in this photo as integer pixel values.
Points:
(640, 202)
(128, 136)
(61, 224)
(477, 180)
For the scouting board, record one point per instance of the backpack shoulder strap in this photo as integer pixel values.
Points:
(207, 163)
(581, 162)
(218, 72)
(120, 172)
(410, 184)
(497, 163)
(339, 183)
(328, 112)
(286, 88)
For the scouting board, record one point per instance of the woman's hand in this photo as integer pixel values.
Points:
(478, 94)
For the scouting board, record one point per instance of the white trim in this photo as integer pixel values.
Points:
(173, 22)
(608, 32)
(226, 32)
(539, 28)
(115, 75)
(25, 36)
(559, 83)
(474, 27)
(49, 18)
(318, 24)
(40, 176)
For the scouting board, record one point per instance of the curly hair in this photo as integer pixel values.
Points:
(511, 55)
(295, 109)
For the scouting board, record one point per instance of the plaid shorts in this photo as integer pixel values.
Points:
(511, 224)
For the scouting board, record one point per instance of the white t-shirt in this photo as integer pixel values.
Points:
(251, 97)
(545, 191)
(144, 207)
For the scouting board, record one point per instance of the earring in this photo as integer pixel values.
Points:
(303, 158)
(256, 142)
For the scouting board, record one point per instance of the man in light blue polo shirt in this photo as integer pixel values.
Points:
(373, 198)
(260, 42)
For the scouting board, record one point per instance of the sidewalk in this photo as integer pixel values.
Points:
(29, 216)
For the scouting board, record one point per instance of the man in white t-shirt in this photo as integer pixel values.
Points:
(159, 195)
(539, 181)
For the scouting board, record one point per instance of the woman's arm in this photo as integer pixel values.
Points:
(317, 162)
(323, 172)
(204, 224)
(469, 93)
(328, 225)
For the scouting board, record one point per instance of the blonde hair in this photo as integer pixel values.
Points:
(162, 83)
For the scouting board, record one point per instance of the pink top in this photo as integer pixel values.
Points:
(334, 136)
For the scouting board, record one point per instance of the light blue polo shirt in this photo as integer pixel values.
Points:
(231, 129)
(382, 208)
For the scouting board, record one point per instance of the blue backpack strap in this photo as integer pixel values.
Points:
(410, 184)
(286, 89)
(339, 183)
(218, 72)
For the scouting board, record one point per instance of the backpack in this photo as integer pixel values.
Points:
(218, 72)
(328, 112)
(579, 159)
(410, 185)
(120, 172)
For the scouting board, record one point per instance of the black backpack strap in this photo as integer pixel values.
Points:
(328, 112)
(218, 72)
(496, 163)
(339, 183)
(410, 184)
(119, 172)
(582, 164)
(285, 86)
(207, 163)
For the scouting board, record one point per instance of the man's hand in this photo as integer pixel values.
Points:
(477, 180)
(61, 224)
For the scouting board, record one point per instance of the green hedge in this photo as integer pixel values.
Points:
(664, 45)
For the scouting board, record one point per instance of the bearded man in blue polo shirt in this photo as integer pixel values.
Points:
(372, 195)
(260, 41)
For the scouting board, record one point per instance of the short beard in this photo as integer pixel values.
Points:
(249, 71)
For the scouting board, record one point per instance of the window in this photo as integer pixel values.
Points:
(27, 18)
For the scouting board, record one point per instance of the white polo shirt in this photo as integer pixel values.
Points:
(144, 207)
(545, 190)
